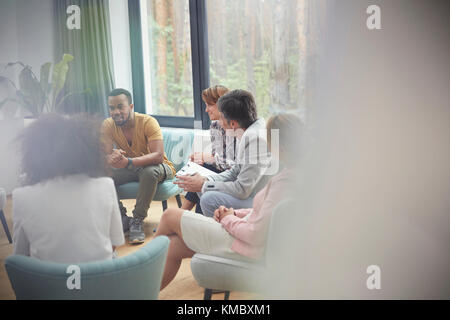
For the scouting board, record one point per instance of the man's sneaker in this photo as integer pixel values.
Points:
(125, 222)
(136, 234)
(125, 219)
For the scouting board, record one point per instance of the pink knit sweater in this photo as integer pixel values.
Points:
(250, 234)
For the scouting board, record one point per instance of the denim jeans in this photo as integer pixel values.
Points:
(212, 200)
(193, 196)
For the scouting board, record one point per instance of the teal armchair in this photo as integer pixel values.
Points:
(136, 276)
(177, 146)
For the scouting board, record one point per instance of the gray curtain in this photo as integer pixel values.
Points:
(92, 68)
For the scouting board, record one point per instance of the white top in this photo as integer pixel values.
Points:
(73, 219)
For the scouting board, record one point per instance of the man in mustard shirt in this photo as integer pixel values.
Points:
(134, 148)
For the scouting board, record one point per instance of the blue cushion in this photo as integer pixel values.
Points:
(177, 146)
(165, 190)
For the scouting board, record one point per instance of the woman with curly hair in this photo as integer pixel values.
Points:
(68, 210)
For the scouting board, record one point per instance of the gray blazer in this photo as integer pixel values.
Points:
(246, 177)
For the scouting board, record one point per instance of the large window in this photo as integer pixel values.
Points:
(180, 47)
(260, 46)
(167, 57)
(169, 60)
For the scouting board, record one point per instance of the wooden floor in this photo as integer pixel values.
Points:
(183, 287)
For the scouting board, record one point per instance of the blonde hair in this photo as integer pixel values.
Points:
(212, 94)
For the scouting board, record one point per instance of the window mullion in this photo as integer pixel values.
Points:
(137, 60)
(200, 62)
(200, 57)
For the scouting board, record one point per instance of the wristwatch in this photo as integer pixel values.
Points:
(130, 164)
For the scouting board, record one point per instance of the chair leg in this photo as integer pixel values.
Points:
(207, 295)
(164, 204)
(178, 200)
(227, 295)
(5, 226)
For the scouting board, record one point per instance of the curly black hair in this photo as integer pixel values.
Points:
(58, 145)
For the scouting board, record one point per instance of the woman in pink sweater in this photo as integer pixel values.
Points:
(236, 234)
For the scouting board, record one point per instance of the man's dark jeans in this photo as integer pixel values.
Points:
(193, 196)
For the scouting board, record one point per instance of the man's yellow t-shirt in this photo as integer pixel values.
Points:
(146, 129)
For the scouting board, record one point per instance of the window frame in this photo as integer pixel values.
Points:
(200, 65)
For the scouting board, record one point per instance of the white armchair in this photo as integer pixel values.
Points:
(217, 274)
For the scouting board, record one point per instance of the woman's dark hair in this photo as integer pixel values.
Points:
(119, 91)
(56, 146)
(238, 105)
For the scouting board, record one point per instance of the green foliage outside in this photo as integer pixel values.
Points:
(232, 72)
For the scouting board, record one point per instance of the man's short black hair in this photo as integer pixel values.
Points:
(238, 105)
(119, 91)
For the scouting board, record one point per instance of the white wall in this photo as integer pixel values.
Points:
(120, 38)
(374, 186)
(27, 35)
(8, 31)
(27, 32)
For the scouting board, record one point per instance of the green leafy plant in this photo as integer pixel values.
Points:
(40, 95)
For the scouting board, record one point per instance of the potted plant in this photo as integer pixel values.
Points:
(42, 95)
(34, 96)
